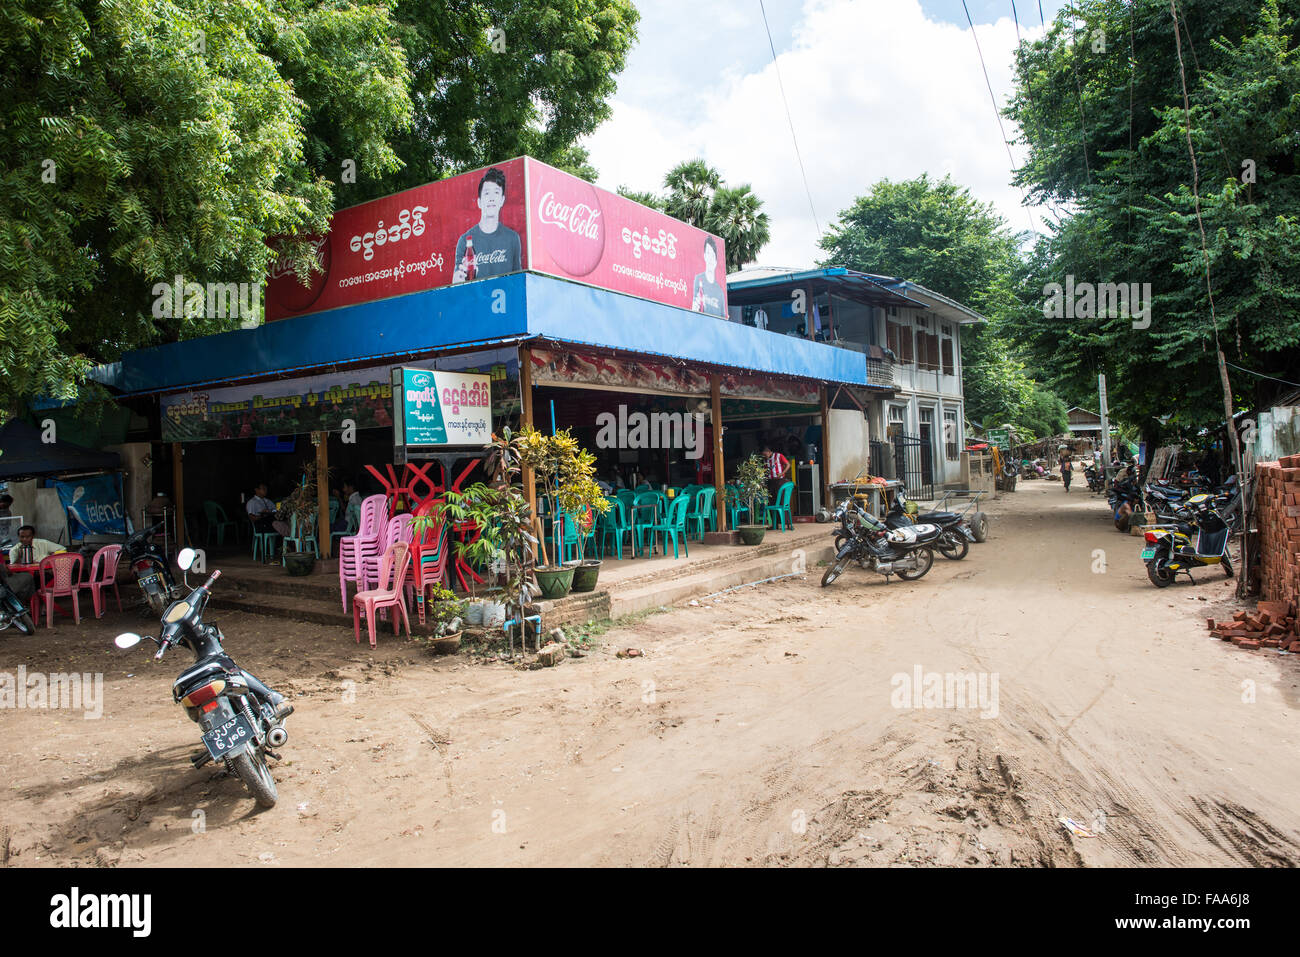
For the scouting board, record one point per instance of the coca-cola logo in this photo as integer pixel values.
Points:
(285, 291)
(573, 233)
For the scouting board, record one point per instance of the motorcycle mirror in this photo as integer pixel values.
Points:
(127, 640)
(185, 559)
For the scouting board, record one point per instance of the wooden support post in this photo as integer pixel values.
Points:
(826, 450)
(178, 493)
(719, 483)
(526, 421)
(323, 492)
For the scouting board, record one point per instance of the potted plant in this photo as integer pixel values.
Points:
(301, 504)
(751, 479)
(446, 613)
(582, 498)
(565, 470)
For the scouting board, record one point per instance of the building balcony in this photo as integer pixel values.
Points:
(880, 372)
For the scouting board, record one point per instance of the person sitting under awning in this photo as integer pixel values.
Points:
(261, 512)
(31, 550)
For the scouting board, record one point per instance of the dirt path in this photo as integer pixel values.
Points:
(760, 729)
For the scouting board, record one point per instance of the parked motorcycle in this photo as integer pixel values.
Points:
(1171, 550)
(955, 536)
(151, 570)
(1125, 498)
(241, 718)
(905, 552)
(1096, 480)
(14, 612)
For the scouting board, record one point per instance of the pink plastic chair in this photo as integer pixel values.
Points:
(103, 575)
(58, 576)
(352, 548)
(397, 530)
(392, 580)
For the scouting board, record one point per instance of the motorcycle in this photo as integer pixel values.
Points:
(151, 570)
(1096, 481)
(955, 536)
(1125, 498)
(1170, 550)
(240, 717)
(905, 552)
(14, 612)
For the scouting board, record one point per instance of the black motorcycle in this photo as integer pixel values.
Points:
(1096, 481)
(862, 538)
(151, 570)
(242, 719)
(14, 612)
(955, 537)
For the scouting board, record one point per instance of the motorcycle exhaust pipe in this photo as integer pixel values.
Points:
(277, 737)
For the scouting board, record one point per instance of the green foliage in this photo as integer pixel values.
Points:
(751, 480)
(1135, 218)
(567, 473)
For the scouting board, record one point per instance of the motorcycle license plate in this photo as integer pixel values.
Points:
(1148, 554)
(148, 580)
(229, 738)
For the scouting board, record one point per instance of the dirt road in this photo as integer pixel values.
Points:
(774, 726)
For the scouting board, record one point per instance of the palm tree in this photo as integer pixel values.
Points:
(736, 215)
(691, 186)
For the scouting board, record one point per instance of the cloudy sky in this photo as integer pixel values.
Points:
(877, 88)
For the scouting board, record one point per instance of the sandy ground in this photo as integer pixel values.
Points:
(763, 729)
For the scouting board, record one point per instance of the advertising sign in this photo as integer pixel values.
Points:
(999, 437)
(93, 505)
(442, 408)
(455, 230)
(322, 403)
(581, 232)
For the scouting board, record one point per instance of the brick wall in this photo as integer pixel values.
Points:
(1277, 490)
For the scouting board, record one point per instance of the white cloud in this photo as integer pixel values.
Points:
(876, 89)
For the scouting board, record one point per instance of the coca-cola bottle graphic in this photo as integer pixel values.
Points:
(470, 269)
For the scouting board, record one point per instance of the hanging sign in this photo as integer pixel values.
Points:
(441, 408)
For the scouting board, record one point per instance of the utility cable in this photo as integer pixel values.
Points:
(789, 119)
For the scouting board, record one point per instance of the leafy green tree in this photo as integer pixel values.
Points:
(691, 186)
(1108, 137)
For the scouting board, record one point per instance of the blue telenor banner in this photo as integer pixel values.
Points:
(93, 505)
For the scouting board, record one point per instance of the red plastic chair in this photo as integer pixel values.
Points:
(392, 581)
(103, 575)
(58, 576)
(428, 562)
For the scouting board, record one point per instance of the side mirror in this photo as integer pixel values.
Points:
(185, 559)
(127, 640)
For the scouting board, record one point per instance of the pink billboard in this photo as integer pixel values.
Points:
(455, 230)
(581, 232)
(514, 216)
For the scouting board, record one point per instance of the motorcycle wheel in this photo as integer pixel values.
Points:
(832, 573)
(252, 770)
(1227, 567)
(953, 546)
(979, 526)
(24, 624)
(925, 563)
(1160, 576)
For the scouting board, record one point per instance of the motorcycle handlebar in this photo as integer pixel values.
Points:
(207, 585)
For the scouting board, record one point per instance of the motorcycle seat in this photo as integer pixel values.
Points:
(214, 666)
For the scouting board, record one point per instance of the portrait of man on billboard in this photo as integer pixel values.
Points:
(489, 247)
(707, 297)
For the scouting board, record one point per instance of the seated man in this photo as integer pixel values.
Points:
(30, 550)
(261, 512)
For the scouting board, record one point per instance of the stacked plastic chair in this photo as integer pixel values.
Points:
(394, 565)
(398, 530)
(365, 543)
(429, 551)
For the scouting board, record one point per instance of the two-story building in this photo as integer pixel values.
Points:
(910, 338)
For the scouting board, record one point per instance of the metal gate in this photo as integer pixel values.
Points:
(913, 464)
(880, 458)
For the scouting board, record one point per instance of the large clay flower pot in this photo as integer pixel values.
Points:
(298, 564)
(585, 575)
(751, 534)
(555, 582)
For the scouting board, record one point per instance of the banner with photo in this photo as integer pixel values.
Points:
(323, 403)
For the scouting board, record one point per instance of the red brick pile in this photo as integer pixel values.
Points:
(1277, 496)
(1271, 625)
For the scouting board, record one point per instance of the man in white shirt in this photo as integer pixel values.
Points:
(31, 550)
(261, 512)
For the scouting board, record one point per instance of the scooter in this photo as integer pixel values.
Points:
(14, 612)
(241, 718)
(905, 552)
(953, 542)
(1171, 550)
(151, 570)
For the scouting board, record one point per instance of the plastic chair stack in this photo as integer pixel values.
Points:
(353, 548)
(58, 576)
(103, 575)
(398, 530)
(394, 566)
(429, 551)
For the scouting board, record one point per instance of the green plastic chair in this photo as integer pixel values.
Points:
(217, 520)
(674, 524)
(735, 506)
(301, 539)
(615, 523)
(571, 536)
(703, 512)
(781, 510)
(263, 543)
(644, 513)
(627, 497)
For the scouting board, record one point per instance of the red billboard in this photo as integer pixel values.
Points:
(581, 232)
(455, 230)
(517, 215)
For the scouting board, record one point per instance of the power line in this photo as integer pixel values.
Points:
(1262, 375)
(789, 119)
